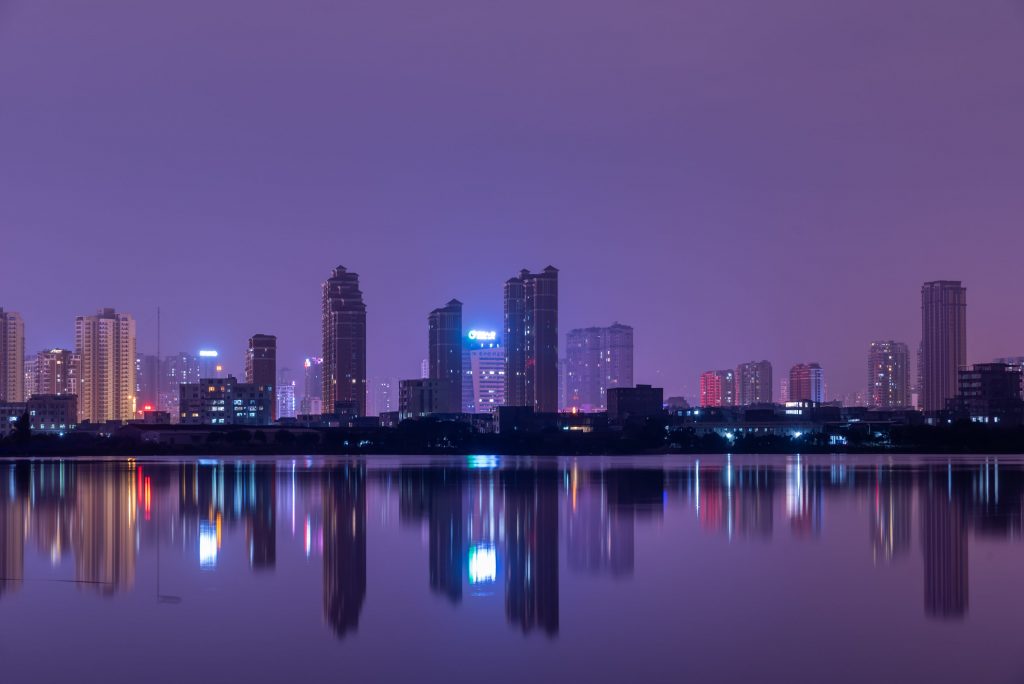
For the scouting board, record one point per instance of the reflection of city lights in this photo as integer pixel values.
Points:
(483, 564)
(207, 545)
(480, 461)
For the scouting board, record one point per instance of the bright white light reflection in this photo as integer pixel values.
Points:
(483, 564)
(207, 545)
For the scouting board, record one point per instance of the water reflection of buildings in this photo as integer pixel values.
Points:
(214, 496)
(944, 544)
(494, 529)
(531, 533)
(12, 536)
(344, 517)
(104, 533)
(890, 514)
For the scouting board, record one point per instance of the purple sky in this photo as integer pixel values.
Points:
(737, 179)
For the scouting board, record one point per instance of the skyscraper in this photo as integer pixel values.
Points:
(261, 366)
(888, 375)
(754, 383)
(105, 344)
(445, 346)
(531, 340)
(943, 341)
(12, 357)
(597, 359)
(344, 336)
(718, 388)
(807, 383)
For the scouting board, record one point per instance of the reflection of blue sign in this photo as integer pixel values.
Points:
(483, 335)
(483, 564)
(207, 544)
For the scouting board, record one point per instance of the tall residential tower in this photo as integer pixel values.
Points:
(12, 357)
(344, 336)
(531, 340)
(888, 375)
(445, 359)
(597, 359)
(943, 341)
(261, 366)
(105, 345)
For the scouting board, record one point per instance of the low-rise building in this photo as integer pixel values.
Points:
(225, 401)
(635, 403)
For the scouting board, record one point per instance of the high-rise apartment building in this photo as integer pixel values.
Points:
(754, 383)
(12, 357)
(888, 375)
(261, 366)
(445, 359)
(718, 388)
(105, 344)
(344, 337)
(55, 371)
(597, 359)
(531, 340)
(807, 383)
(943, 341)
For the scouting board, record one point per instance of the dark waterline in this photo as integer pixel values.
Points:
(752, 568)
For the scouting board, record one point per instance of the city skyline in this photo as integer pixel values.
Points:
(662, 152)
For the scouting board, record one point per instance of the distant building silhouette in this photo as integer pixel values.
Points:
(943, 341)
(598, 358)
(312, 386)
(344, 337)
(531, 339)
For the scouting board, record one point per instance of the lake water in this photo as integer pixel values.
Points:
(526, 570)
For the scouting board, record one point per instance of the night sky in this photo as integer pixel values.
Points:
(737, 179)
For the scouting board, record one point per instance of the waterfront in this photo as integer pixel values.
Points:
(716, 568)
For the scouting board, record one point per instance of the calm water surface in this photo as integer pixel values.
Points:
(772, 568)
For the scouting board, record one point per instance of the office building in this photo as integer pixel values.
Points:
(105, 345)
(261, 366)
(445, 347)
(597, 359)
(224, 401)
(54, 371)
(718, 388)
(483, 372)
(888, 375)
(943, 341)
(531, 339)
(12, 357)
(754, 383)
(344, 339)
(807, 383)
